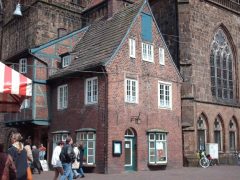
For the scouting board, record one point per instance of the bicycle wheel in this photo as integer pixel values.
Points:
(204, 162)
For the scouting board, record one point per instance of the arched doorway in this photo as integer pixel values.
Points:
(130, 148)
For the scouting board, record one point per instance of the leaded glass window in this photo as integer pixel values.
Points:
(221, 62)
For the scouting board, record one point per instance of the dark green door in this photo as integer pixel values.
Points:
(130, 154)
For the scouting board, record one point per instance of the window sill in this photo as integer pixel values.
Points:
(89, 165)
(157, 164)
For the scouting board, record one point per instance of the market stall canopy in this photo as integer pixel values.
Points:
(14, 88)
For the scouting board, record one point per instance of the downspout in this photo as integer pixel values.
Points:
(105, 122)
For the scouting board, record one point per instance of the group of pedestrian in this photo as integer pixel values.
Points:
(67, 160)
(20, 160)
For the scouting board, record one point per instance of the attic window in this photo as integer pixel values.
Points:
(66, 60)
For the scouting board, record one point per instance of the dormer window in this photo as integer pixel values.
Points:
(66, 61)
(23, 65)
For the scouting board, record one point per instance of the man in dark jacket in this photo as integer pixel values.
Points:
(36, 162)
(67, 156)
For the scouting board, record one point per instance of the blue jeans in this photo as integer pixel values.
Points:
(80, 171)
(67, 171)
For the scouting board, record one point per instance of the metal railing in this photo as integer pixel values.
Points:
(232, 5)
(24, 115)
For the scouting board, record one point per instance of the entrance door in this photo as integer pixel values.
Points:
(130, 152)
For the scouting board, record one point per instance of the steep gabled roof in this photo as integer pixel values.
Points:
(101, 40)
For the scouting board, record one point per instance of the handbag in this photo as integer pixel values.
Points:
(75, 164)
(29, 174)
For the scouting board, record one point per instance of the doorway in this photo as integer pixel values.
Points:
(130, 148)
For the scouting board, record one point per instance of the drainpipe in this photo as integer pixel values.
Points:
(105, 122)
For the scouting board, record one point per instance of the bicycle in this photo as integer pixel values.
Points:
(205, 160)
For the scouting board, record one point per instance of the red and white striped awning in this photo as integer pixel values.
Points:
(14, 88)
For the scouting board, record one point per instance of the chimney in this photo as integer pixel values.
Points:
(115, 5)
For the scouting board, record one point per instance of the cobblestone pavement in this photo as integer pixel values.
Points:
(184, 173)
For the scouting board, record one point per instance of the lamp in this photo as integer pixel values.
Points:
(136, 119)
(18, 11)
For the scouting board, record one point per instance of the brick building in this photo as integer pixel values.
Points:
(209, 44)
(118, 91)
(21, 36)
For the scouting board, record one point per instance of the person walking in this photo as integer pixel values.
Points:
(7, 167)
(81, 150)
(19, 155)
(36, 163)
(27, 146)
(56, 163)
(67, 157)
(75, 164)
(42, 151)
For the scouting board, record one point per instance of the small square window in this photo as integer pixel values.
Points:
(66, 60)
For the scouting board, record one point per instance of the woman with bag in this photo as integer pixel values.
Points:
(75, 164)
(19, 156)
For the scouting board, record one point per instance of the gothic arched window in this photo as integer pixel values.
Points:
(201, 132)
(232, 135)
(218, 133)
(221, 62)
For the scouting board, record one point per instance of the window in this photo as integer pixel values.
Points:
(59, 136)
(147, 52)
(164, 95)
(66, 60)
(232, 135)
(218, 133)
(91, 94)
(62, 97)
(221, 62)
(201, 132)
(25, 104)
(89, 141)
(161, 56)
(132, 48)
(157, 148)
(131, 91)
(23, 65)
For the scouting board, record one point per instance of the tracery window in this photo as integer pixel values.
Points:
(232, 135)
(201, 132)
(218, 133)
(221, 62)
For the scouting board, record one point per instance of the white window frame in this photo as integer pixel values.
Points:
(147, 52)
(156, 147)
(84, 137)
(132, 48)
(25, 104)
(131, 98)
(161, 56)
(23, 65)
(66, 61)
(91, 90)
(62, 100)
(165, 104)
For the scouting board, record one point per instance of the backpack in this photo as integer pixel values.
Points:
(65, 157)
